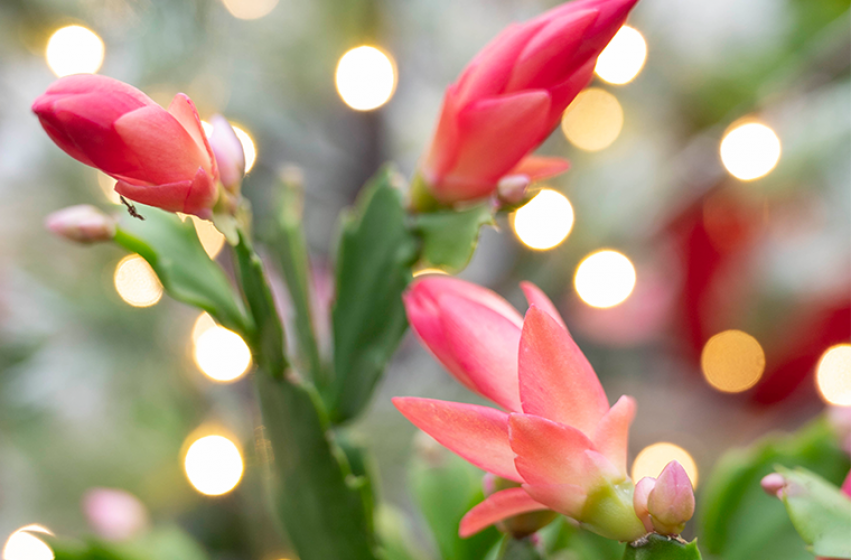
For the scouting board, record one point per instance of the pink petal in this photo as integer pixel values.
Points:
(548, 452)
(535, 296)
(170, 197)
(488, 72)
(538, 167)
(565, 92)
(484, 344)
(495, 508)
(549, 56)
(165, 150)
(477, 433)
(444, 144)
(496, 133)
(230, 156)
(184, 111)
(639, 501)
(556, 380)
(567, 499)
(611, 437)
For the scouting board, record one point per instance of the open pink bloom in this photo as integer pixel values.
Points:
(511, 96)
(160, 158)
(558, 437)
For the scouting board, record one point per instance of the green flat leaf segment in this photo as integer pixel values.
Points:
(185, 270)
(449, 237)
(658, 547)
(374, 261)
(820, 512)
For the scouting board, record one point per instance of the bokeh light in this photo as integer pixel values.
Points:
(604, 279)
(365, 78)
(427, 271)
(833, 375)
(248, 146)
(732, 361)
(653, 458)
(623, 58)
(750, 151)
(22, 545)
(545, 221)
(203, 323)
(593, 120)
(211, 239)
(249, 9)
(136, 282)
(220, 354)
(213, 465)
(74, 50)
(107, 187)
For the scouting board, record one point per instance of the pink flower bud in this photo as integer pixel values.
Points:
(160, 158)
(230, 156)
(773, 484)
(512, 188)
(114, 514)
(639, 501)
(671, 501)
(83, 223)
(512, 95)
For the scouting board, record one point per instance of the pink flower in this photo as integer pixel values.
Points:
(114, 515)
(160, 158)
(558, 437)
(511, 96)
(82, 223)
(230, 156)
(665, 504)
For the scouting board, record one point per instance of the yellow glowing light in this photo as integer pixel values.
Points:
(202, 324)
(207, 128)
(653, 458)
(23, 545)
(211, 239)
(604, 279)
(136, 282)
(107, 187)
(750, 151)
(366, 78)
(250, 9)
(833, 375)
(623, 58)
(74, 50)
(427, 271)
(593, 120)
(545, 221)
(213, 465)
(248, 147)
(221, 354)
(732, 361)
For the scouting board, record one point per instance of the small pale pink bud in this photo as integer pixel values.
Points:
(83, 223)
(230, 157)
(639, 501)
(512, 188)
(114, 515)
(773, 484)
(671, 501)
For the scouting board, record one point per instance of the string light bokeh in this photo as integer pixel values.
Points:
(250, 9)
(74, 50)
(213, 465)
(545, 221)
(593, 121)
(365, 78)
(652, 459)
(219, 353)
(24, 545)
(136, 282)
(732, 361)
(750, 151)
(833, 375)
(604, 279)
(623, 58)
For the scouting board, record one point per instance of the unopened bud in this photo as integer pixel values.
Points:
(512, 188)
(83, 223)
(671, 501)
(773, 484)
(639, 501)
(230, 156)
(114, 515)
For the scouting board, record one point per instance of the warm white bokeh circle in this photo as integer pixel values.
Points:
(623, 58)
(213, 465)
(833, 375)
(593, 120)
(136, 282)
(365, 78)
(653, 458)
(750, 151)
(23, 545)
(545, 221)
(74, 50)
(221, 354)
(604, 279)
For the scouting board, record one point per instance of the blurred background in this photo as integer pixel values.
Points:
(699, 248)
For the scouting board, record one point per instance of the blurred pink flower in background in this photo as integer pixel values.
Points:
(114, 514)
(560, 439)
(159, 158)
(512, 95)
(82, 223)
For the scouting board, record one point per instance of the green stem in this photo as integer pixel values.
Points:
(294, 261)
(659, 547)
